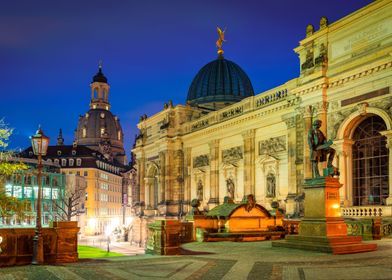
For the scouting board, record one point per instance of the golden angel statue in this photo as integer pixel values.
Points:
(220, 41)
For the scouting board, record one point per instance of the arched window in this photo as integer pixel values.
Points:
(370, 163)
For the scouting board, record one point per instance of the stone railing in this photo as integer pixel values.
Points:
(60, 242)
(367, 211)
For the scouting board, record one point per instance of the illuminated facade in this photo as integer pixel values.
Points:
(97, 154)
(23, 185)
(227, 142)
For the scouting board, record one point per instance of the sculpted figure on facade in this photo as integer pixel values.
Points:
(199, 192)
(320, 148)
(230, 188)
(271, 185)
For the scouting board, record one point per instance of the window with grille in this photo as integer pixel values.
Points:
(370, 163)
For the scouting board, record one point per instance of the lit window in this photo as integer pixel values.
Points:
(84, 132)
(55, 193)
(46, 193)
(119, 135)
(17, 192)
(28, 192)
(102, 131)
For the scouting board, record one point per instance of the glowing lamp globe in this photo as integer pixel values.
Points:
(40, 143)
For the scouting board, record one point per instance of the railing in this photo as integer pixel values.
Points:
(367, 211)
(291, 226)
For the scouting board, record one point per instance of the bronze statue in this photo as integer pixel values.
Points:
(220, 41)
(319, 149)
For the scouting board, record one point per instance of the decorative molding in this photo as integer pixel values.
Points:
(272, 145)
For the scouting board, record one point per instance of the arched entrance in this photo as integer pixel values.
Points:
(152, 187)
(370, 163)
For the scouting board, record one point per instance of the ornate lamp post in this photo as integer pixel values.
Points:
(40, 143)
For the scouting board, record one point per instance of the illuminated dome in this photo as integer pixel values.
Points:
(219, 82)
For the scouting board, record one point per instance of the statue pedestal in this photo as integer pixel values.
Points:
(322, 228)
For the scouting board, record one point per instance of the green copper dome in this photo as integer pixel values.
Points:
(220, 81)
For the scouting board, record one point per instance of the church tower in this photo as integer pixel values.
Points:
(99, 129)
(100, 91)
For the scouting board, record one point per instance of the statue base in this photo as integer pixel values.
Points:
(322, 228)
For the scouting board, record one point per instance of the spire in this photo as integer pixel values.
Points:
(60, 139)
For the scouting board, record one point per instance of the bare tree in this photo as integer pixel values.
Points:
(70, 203)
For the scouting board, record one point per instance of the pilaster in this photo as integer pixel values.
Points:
(214, 173)
(388, 135)
(249, 161)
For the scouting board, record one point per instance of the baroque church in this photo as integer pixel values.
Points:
(228, 140)
(97, 154)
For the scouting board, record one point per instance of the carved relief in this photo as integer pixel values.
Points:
(308, 60)
(232, 155)
(272, 145)
(201, 161)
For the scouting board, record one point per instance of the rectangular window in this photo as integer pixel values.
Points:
(28, 192)
(55, 193)
(46, 193)
(17, 192)
(85, 173)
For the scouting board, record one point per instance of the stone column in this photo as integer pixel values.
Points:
(388, 135)
(344, 163)
(187, 178)
(214, 174)
(322, 108)
(147, 186)
(292, 169)
(162, 185)
(308, 113)
(141, 173)
(249, 162)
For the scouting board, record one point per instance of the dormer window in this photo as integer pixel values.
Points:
(63, 162)
(59, 153)
(78, 162)
(71, 162)
(73, 152)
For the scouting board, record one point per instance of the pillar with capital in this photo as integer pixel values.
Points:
(214, 173)
(249, 162)
(388, 135)
(307, 113)
(343, 149)
(292, 169)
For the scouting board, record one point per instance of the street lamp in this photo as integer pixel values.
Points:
(40, 143)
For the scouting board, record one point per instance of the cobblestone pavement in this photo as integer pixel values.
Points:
(222, 260)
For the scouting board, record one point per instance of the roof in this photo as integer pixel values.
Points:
(223, 210)
(220, 80)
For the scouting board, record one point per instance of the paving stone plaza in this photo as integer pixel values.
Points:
(222, 260)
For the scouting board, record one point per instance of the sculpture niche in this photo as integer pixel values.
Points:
(320, 148)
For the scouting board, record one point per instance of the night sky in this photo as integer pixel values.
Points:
(151, 50)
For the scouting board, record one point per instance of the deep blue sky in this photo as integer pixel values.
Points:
(151, 50)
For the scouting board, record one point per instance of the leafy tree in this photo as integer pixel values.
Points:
(9, 206)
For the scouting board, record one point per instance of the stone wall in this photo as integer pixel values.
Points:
(59, 242)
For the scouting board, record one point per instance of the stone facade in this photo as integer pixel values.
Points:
(259, 145)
